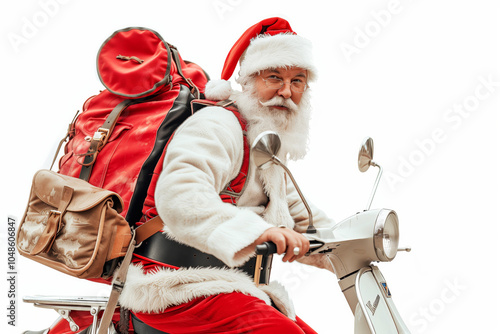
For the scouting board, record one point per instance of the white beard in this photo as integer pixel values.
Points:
(292, 125)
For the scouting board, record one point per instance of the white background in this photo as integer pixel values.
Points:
(393, 70)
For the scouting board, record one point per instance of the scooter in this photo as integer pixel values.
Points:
(352, 246)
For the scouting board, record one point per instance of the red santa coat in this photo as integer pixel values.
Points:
(203, 157)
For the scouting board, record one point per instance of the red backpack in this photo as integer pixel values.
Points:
(117, 141)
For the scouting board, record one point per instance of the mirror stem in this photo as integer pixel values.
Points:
(310, 228)
(375, 186)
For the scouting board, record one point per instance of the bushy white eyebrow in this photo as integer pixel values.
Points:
(277, 71)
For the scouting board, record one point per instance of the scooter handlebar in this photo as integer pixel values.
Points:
(266, 248)
(269, 247)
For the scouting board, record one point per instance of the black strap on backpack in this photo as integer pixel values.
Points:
(101, 137)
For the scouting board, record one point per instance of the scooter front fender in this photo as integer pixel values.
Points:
(375, 311)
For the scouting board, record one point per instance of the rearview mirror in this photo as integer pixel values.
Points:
(365, 160)
(264, 148)
(365, 155)
(264, 152)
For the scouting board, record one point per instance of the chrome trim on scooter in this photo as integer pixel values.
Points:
(380, 234)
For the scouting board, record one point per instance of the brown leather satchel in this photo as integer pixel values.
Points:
(72, 226)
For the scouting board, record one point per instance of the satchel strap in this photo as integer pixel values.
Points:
(116, 288)
(147, 229)
(69, 133)
(138, 235)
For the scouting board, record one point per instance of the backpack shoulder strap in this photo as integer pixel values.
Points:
(198, 104)
(235, 188)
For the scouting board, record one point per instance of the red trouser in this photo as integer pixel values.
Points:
(224, 313)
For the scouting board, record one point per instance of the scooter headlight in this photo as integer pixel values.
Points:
(386, 235)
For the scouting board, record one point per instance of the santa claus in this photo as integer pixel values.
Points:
(206, 153)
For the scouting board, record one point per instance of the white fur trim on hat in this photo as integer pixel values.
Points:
(218, 90)
(276, 51)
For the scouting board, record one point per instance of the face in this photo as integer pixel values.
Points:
(289, 76)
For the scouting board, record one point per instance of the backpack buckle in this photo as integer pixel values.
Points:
(101, 136)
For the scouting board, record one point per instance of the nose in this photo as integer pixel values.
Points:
(285, 90)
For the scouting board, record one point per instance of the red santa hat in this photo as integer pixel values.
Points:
(271, 43)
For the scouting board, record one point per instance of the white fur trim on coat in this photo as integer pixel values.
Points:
(158, 290)
(280, 298)
(155, 291)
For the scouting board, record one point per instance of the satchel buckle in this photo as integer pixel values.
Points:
(58, 215)
(118, 285)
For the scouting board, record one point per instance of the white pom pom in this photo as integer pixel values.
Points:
(218, 90)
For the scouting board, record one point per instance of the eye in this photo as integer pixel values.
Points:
(274, 79)
(299, 85)
(299, 81)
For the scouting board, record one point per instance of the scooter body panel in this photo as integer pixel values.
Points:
(375, 311)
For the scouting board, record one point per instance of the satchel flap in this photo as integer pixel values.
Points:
(48, 187)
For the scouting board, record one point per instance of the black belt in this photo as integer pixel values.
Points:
(141, 328)
(159, 248)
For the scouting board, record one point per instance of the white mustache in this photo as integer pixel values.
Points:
(279, 101)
